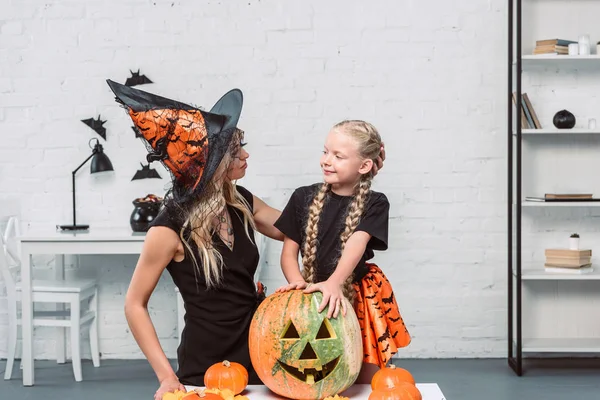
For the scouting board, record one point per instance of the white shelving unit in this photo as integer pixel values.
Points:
(570, 345)
(562, 59)
(572, 204)
(541, 275)
(552, 312)
(566, 132)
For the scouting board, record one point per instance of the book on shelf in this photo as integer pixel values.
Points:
(529, 119)
(554, 42)
(536, 121)
(568, 263)
(551, 49)
(575, 271)
(568, 253)
(554, 197)
(568, 195)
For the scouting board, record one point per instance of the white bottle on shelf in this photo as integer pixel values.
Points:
(584, 45)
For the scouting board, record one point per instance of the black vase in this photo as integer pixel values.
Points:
(564, 120)
(143, 214)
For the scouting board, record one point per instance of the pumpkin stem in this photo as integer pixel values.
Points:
(226, 364)
(393, 366)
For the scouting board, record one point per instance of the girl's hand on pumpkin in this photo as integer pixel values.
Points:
(292, 286)
(332, 296)
(168, 385)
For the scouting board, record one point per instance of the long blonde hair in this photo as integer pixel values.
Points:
(219, 193)
(369, 147)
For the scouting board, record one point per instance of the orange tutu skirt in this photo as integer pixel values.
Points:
(382, 327)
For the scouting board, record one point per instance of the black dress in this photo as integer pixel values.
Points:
(216, 320)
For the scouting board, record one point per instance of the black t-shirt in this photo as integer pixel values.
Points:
(374, 221)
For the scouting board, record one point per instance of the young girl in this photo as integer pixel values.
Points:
(336, 225)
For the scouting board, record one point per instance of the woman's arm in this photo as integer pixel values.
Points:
(161, 245)
(265, 217)
(332, 287)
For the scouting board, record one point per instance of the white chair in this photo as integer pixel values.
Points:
(69, 292)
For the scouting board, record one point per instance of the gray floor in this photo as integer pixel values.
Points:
(462, 379)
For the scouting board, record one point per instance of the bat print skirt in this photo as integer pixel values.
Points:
(383, 330)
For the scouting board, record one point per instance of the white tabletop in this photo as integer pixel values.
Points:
(91, 235)
(429, 391)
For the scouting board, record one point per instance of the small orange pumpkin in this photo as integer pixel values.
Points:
(390, 377)
(226, 375)
(402, 391)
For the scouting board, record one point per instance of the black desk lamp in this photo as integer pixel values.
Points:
(100, 163)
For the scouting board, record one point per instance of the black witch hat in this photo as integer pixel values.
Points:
(191, 143)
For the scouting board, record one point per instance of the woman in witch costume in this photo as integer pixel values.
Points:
(204, 236)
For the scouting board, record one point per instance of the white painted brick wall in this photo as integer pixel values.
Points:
(429, 74)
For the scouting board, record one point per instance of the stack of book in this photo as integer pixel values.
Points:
(568, 261)
(552, 46)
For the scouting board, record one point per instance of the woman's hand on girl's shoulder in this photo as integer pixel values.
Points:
(292, 286)
(378, 164)
(332, 296)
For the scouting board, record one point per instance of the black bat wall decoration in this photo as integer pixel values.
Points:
(137, 79)
(145, 173)
(96, 125)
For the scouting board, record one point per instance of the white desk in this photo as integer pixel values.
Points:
(429, 391)
(94, 241)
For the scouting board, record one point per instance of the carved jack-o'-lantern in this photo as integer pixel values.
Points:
(298, 352)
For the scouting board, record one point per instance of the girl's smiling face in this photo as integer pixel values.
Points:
(341, 162)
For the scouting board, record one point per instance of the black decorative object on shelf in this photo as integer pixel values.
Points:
(96, 125)
(137, 79)
(145, 173)
(138, 134)
(100, 163)
(144, 212)
(564, 120)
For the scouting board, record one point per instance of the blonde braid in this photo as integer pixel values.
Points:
(312, 230)
(369, 147)
(355, 211)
